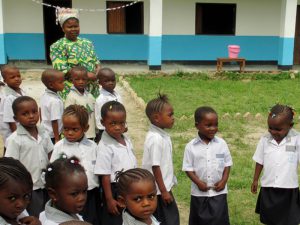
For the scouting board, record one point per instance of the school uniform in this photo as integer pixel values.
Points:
(6, 112)
(112, 157)
(158, 152)
(53, 216)
(52, 108)
(33, 154)
(279, 200)
(86, 152)
(87, 100)
(128, 219)
(104, 97)
(208, 161)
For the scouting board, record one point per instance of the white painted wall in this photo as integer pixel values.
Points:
(1, 17)
(254, 17)
(22, 16)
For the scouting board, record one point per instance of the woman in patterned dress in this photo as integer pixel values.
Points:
(72, 50)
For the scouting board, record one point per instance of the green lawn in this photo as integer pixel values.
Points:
(226, 93)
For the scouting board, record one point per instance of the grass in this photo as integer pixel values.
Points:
(226, 93)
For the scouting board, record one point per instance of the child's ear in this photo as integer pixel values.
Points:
(15, 118)
(121, 201)
(52, 194)
(86, 128)
(155, 117)
(292, 124)
(102, 122)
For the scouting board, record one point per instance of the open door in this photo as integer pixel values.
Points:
(297, 38)
(52, 31)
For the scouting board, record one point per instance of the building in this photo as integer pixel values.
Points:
(159, 30)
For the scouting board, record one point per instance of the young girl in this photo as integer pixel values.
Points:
(67, 186)
(15, 193)
(277, 153)
(115, 153)
(137, 194)
(75, 123)
(207, 163)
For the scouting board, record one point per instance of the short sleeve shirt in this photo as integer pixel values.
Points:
(52, 108)
(32, 153)
(158, 152)
(280, 161)
(85, 151)
(208, 161)
(113, 156)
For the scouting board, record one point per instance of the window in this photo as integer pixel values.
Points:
(128, 20)
(215, 18)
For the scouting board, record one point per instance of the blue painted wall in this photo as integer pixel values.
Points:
(155, 48)
(3, 59)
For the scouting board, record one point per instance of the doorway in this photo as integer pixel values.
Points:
(297, 38)
(52, 31)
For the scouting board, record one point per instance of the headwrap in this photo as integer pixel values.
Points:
(63, 14)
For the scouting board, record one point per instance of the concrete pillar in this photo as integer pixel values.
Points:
(155, 35)
(3, 58)
(287, 34)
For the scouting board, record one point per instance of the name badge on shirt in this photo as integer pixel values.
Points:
(219, 156)
(290, 148)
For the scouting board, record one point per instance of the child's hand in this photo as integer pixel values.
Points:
(254, 186)
(30, 220)
(202, 186)
(112, 207)
(219, 186)
(166, 197)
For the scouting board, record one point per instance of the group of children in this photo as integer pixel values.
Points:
(75, 178)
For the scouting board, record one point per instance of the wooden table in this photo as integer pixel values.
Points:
(241, 61)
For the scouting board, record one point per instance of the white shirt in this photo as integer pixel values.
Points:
(6, 112)
(280, 161)
(53, 216)
(113, 156)
(85, 151)
(86, 100)
(130, 220)
(208, 161)
(32, 153)
(158, 152)
(52, 108)
(104, 97)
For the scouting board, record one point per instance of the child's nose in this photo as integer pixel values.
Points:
(20, 204)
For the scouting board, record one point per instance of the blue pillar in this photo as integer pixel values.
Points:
(154, 58)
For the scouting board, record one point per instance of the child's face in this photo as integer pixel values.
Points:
(115, 123)
(13, 78)
(57, 84)
(72, 129)
(165, 118)
(27, 114)
(208, 127)
(79, 80)
(14, 199)
(108, 81)
(279, 127)
(141, 201)
(70, 196)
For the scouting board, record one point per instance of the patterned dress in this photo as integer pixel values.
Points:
(66, 54)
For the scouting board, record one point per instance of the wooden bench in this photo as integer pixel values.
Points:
(241, 61)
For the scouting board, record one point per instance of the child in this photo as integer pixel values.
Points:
(157, 158)
(75, 123)
(207, 162)
(52, 106)
(32, 146)
(278, 154)
(15, 193)
(107, 80)
(137, 194)
(12, 90)
(79, 95)
(67, 186)
(115, 153)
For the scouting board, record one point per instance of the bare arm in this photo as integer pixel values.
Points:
(166, 196)
(54, 124)
(220, 185)
(258, 169)
(112, 204)
(201, 184)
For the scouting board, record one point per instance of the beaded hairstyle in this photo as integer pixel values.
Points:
(78, 111)
(19, 100)
(279, 109)
(201, 111)
(59, 169)
(11, 168)
(156, 105)
(125, 179)
(112, 106)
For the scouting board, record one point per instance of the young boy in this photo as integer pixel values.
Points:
(31, 145)
(80, 96)
(107, 79)
(51, 104)
(12, 90)
(157, 158)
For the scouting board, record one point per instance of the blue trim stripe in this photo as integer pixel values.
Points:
(155, 45)
(3, 59)
(286, 51)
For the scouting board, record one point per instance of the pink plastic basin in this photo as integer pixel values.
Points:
(233, 51)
